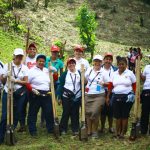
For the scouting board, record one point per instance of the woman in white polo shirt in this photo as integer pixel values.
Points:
(123, 84)
(20, 78)
(94, 95)
(69, 92)
(145, 100)
(39, 97)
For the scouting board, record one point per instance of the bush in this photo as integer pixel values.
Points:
(87, 26)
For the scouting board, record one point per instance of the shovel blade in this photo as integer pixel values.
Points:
(10, 136)
(133, 134)
(56, 129)
(83, 136)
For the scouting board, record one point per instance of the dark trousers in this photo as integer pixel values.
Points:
(35, 102)
(145, 99)
(70, 109)
(42, 114)
(17, 108)
(24, 113)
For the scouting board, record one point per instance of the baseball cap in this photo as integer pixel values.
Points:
(99, 57)
(18, 51)
(55, 48)
(108, 54)
(71, 59)
(32, 45)
(79, 47)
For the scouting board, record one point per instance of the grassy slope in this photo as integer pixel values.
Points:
(46, 24)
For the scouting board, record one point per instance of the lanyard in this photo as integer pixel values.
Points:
(16, 75)
(73, 82)
(93, 78)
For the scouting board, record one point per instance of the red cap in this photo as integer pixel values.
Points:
(55, 48)
(108, 54)
(79, 47)
(32, 45)
(71, 59)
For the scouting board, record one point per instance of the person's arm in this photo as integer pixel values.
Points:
(61, 71)
(22, 82)
(110, 87)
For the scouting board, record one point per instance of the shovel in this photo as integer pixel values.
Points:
(135, 130)
(10, 135)
(56, 120)
(83, 136)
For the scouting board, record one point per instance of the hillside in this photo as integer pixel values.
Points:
(116, 30)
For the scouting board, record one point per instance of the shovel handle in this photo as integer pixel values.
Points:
(11, 100)
(83, 98)
(8, 97)
(53, 93)
(137, 92)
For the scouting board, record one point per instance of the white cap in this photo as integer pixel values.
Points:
(18, 51)
(99, 57)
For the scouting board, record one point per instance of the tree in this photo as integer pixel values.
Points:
(87, 26)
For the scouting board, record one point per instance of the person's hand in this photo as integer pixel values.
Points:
(101, 83)
(107, 101)
(53, 69)
(6, 74)
(59, 102)
(36, 92)
(12, 79)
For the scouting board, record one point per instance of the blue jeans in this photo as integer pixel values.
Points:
(35, 102)
(17, 108)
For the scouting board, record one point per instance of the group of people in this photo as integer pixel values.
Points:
(109, 92)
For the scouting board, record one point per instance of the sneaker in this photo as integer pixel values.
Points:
(111, 130)
(33, 134)
(75, 133)
(21, 129)
(63, 133)
(94, 135)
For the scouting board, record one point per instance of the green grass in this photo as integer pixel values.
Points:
(45, 141)
(8, 42)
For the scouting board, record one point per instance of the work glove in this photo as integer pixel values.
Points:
(36, 92)
(131, 98)
(52, 69)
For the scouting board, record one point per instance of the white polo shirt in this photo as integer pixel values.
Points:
(107, 73)
(73, 80)
(146, 73)
(90, 74)
(123, 83)
(18, 72)
(39, 79)
(30, 62)
(82, 61)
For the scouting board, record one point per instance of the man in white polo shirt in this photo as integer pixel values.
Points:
(78, 56)
(107, 111)
(39, 97)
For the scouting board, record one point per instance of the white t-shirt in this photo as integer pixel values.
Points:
(18, 72)
(107, 73)
(123, 83)
(82, 61)
(30, 62)
(73, 79)
(97, 77)
(39, 79)
(146, 73)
